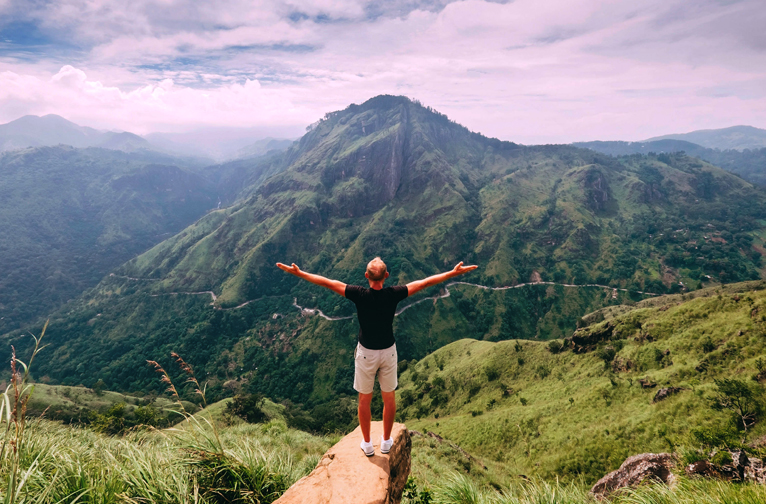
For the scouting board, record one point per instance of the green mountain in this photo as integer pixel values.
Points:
(579, 410)
(750, 164)
(393, 178)
(735, 137)
(69, 216)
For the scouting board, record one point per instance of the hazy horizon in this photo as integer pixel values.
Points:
(528, 72)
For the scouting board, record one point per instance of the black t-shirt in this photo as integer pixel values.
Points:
(376, 309)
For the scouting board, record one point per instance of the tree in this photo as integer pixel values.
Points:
(742, 399)
(98, 387)
(247, 407)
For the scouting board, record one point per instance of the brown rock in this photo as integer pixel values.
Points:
(755, 471)
(739, 462)
(703, 468)
(583, 341)
(635, 470)
(346, 475)
(666, 392)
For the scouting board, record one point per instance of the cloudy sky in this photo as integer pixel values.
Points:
(530, 71)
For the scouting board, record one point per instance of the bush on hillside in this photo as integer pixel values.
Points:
(247, 407)
(555, 346)
(492, 373)
(118, 419)
(743, 400)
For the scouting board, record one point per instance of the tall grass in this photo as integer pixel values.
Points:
(198, 461)
(13, 409)
(460, 489)
(67, 463)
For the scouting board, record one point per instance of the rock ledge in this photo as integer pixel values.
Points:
(346, 475)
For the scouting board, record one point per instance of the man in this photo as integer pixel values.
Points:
(376, 350)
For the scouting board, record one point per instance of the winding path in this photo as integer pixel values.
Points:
(445, 294)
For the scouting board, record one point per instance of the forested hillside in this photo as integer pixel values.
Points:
(750, 164)
(393, 178)
(69, 216)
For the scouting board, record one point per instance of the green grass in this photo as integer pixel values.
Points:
(462, 490)
(251, 462)
(568, 415)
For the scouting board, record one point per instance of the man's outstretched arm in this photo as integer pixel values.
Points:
(419, 285)
(333, 285)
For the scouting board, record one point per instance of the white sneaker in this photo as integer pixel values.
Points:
(367, 448)
(385, 445)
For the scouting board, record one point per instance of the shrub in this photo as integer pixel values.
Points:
(742, 399)
(607, 354)
(98, 387)
(492, 373)
(707, 345)
(555, 346)
(406, 398)
(247, 407)
(722, 457)
(412, 495)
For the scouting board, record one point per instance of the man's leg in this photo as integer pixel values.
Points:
(389, 413)
(365, 415)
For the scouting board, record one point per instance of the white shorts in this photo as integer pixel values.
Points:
(368, 363)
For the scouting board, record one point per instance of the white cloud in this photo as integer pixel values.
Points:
(161, 105)
(529, 71)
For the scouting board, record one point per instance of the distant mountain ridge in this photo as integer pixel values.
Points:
(736, 138)
(206, 147)
(51, 129)
(749, 164)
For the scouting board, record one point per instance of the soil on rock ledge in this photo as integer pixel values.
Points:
(346, 475)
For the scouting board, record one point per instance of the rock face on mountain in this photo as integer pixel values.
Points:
(636, 469)
(346, 476)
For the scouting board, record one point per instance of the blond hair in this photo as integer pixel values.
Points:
(376, 269)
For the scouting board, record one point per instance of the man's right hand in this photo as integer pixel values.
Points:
(459, 269)
(334, 285)
(294, 269)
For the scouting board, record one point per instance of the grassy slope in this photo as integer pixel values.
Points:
(610, 416)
